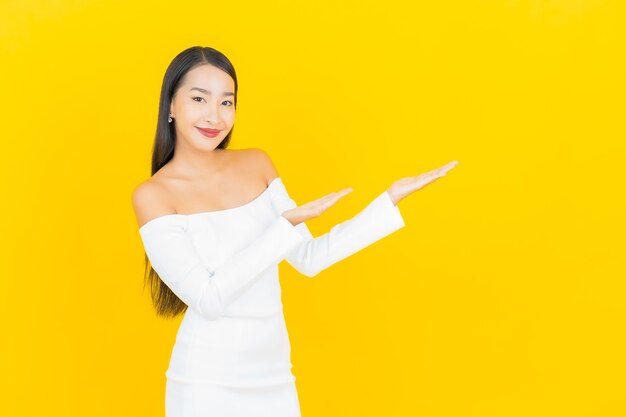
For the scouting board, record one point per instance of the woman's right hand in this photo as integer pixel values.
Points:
(315, 208)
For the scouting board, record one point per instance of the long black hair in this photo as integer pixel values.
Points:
(166, 303)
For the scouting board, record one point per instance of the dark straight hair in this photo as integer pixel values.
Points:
(166, 303)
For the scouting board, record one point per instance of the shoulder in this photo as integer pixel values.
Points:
(150, 200)
(259, 160)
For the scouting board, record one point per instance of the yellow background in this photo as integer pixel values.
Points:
(504, 294)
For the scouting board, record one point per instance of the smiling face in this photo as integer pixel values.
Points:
(204, 101)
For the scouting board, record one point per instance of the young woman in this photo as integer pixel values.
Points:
(215, 224)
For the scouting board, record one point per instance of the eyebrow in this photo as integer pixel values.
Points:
(207, 92)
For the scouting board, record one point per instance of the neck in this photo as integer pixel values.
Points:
(196, 163)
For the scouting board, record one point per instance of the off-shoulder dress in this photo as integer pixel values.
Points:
(231, 357)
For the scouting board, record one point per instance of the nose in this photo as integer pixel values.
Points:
(212, 115)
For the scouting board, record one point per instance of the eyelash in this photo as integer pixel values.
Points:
(194, 99)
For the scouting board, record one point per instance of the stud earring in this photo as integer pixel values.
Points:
(169, 119)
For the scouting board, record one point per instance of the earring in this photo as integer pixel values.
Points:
(169, 119)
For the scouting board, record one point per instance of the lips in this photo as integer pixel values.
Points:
(207, 130)
(211, 133)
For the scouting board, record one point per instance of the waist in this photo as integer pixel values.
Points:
(233, 351)
(284, 378)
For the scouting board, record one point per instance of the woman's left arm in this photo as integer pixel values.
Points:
(378, 219)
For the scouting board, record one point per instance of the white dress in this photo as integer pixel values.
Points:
(232, 352)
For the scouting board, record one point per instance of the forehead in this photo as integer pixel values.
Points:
(210, 78)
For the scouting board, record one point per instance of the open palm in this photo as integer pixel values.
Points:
(405, 186)
(397, 191)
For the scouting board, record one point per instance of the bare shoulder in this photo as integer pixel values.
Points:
(259, 160)
(150, 200)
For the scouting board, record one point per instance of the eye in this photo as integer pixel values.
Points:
(194, 99)
(228, 101)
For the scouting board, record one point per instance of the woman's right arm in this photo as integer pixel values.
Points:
(378, 219)
(174, 258)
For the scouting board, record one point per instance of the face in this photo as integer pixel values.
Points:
(204, 100)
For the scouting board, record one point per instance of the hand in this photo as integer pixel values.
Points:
(405, 186)
(314, 208)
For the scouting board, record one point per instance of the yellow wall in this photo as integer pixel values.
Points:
(503, 296)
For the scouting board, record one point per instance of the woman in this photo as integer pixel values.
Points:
(215, 224)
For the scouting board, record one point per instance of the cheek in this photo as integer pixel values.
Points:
(193, 113)
(229, 117)
(184, 109)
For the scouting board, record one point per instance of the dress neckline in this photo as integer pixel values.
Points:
(201, 213)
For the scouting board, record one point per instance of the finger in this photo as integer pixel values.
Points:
(441, 170)
(432, 176)
(336, 194)
(435, 173)
(330, 199)
(449, 166)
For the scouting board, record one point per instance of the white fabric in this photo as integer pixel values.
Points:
(232, 350)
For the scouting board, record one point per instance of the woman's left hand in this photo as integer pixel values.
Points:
(405, 186)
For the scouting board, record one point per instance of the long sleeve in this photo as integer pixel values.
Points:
(314, 254)
(174, 257)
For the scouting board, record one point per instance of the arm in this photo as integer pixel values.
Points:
(174, 258)
(378, 219)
